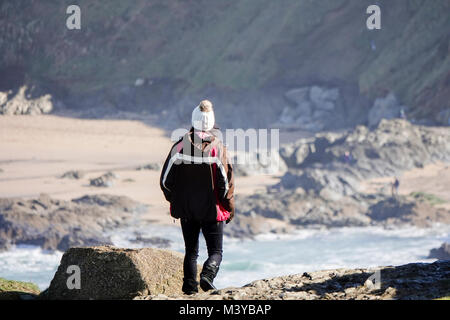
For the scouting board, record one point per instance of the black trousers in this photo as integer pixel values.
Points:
(213, 233)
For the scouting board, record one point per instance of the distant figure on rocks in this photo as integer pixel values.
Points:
(403, 114)
(197, 179)
(348, 157)
(395, 186)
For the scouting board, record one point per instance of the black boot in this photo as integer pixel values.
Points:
(190, 286)
(207, 276)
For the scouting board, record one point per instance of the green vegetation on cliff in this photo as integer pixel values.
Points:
(235, 45)
(10, 289)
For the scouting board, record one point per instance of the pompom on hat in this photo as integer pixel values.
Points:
(203, 116)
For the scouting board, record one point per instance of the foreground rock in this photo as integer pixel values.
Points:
(58, 225)
(113, 273)
(411, 282)
(441, 253)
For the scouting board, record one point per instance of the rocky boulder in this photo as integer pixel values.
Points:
(312, 108)
(112, 273)
(22, 103)
(72, 174)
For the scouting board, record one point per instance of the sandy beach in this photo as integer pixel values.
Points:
(37, 150)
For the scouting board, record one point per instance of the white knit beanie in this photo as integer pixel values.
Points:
(201, 120)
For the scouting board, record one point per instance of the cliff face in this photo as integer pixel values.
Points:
(235, 51)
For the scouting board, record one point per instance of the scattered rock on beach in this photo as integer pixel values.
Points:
(73, 174)
(105, 180)
(151, 166)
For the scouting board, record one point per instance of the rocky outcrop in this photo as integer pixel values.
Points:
(415, 281)
(73, 174)
(154, 274)
(21, 103)
(57, 224)
(441, 253)
(322, 185)
(281, 212)
(113, 273)
(338, 161)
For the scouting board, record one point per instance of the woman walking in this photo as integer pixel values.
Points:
(197, 179)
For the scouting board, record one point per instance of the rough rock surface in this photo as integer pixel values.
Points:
(344, 158)
(441, 253)
(411, 281)
(313, 108)
(106, 180)
(114, 273)
(20, 103)
(73, 174)
(58, 224)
